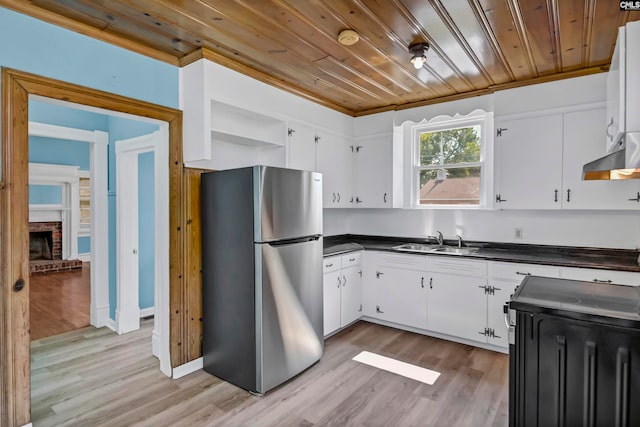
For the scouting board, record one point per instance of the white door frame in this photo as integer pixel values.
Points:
(127, 305)
(99, 235)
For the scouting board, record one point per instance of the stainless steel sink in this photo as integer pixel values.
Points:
(454, 250)
(416, 247)
(430, 249)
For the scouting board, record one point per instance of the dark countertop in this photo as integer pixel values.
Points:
(565, 256)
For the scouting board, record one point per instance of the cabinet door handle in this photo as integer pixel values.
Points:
(351, 259)
(555, 195)
(344, 283)
(378, 274)
(523, 273)
(384, 197)
(422, 282)
(358, 200)
(602, 281)
(568, 195)
(431, 283)
(329, 265)
(378, 309)
(338, 197)
(339, 282)
(334, 197)
(637, 198)
(360, 309)
(609, 135)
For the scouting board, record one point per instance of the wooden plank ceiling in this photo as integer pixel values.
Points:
(476, 46)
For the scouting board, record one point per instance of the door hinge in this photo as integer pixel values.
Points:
(378, 274)
(317, 139)
(500, 130)
(290, 131)
(499, 198)
(378, 309)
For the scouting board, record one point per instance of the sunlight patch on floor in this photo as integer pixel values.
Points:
(397, 367)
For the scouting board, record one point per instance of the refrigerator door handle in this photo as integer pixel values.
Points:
(292, 241)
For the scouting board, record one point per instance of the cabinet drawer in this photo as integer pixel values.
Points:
(409, 262)
(463, 267)
(605, 276)
(331, 264)
(515, 271)
(351, 259)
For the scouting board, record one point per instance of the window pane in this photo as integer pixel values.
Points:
(450, 146)
(454, 186)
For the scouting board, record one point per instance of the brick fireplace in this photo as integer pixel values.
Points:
(45, 248)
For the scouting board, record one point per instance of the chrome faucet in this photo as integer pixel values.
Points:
(459, 237)
(439, 239)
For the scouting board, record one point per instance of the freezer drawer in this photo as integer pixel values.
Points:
(290, 318)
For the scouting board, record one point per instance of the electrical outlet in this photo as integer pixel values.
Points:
(517, 233)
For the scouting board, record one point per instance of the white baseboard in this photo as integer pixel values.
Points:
(155, 344)
(84, 257)
(187, 368)
(28, 425)
(144, 312)
(102, 316)
(111, 324)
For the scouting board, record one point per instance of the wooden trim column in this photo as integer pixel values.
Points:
(17, 86)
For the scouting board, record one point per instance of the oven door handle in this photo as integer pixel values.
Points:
(507, 322)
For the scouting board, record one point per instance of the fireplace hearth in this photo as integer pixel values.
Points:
(45, 249)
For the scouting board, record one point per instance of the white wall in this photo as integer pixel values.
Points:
(610, 229)
(606, 229)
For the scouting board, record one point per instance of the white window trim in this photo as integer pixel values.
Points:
(476, 117)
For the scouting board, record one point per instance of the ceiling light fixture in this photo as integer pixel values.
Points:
(419, 57)
(348, 37)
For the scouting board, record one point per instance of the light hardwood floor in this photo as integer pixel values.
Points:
(92, 377)
(59, 302)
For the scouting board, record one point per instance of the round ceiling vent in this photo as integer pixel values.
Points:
(348, 37)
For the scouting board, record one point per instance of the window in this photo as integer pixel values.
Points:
(85, 203)
(449, 165)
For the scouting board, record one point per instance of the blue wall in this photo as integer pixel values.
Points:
(120, 129)
(146, 229)
(45, 195)
(61, 152)
(41, 48)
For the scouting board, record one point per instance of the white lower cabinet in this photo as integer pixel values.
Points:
(601, 276)
(504, 278)
(342, 293)
(457, 306)
(457, 303)
(402, 297)
(396, 289)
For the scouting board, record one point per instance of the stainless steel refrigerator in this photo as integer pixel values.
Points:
(261, 274)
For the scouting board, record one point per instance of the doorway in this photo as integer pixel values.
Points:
(17, 87)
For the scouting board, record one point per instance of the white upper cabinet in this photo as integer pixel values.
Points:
(334, 161)
(623, 104)
(529, 162)
(539, 162)
(583, 143)
(373, 175)
(302, 146)
(318, 150)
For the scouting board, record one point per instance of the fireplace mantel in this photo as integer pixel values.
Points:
(68, 212)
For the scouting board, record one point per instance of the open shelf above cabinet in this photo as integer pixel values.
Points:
(240, 126)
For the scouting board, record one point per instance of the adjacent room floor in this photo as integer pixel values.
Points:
(94, 377)
(59, 302)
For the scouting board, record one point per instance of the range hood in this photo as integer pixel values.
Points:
(623, 163)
